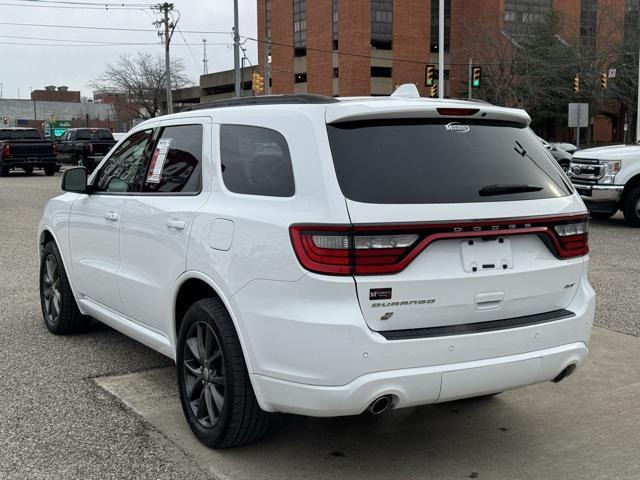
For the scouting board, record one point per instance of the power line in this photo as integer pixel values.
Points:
(78, 7)
(124, 29)
(558, 61)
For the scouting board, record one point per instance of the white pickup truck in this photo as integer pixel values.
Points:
(608, 180)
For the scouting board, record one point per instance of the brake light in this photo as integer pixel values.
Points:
(375, 250)
(573, 238)
(6, 150)
(458, 112)
(54, 148)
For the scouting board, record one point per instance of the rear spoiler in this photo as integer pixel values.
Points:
(399, 108)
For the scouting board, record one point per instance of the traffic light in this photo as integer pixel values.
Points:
(604, 80)
(576, 83)
(5, 120)
(476, 73)
(257, 82)
(434, 90)
(428, 76)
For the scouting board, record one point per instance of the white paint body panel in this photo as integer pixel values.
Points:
(309, 345)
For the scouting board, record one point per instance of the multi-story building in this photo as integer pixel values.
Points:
(364, 47)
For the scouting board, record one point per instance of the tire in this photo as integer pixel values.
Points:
(49, 170)
(215, 392)
(28, 170)
(65, 318)
(631, 208)
(602, 215)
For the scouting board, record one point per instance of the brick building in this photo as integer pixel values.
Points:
(52, 93)
(367, 47)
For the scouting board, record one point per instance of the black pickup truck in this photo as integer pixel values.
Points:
(24, 148)
(85, 146)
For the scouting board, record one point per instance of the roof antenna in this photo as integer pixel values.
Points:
(406, 90)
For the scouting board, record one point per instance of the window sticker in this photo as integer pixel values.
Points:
(158, 159)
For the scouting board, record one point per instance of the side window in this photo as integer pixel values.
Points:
(124, 169)
(176, 164)
(255, 161)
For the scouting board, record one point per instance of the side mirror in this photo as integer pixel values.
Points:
(75, 180)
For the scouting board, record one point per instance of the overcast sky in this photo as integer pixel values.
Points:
(31, 66)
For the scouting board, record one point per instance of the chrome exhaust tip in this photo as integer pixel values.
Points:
(565, 373)
(379, 405)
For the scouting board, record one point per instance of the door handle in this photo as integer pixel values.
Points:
(176, 224)
(112, 216)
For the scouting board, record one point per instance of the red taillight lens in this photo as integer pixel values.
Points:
(346, 251)
(6, 150)
(573, 238)
(54, 148)
(372, 250)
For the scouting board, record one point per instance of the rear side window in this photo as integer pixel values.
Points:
(442, 161)
(255, 161)
(176, 163)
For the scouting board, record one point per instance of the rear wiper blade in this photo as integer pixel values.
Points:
(505, 189)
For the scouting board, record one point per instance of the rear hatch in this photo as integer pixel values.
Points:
(454, 221)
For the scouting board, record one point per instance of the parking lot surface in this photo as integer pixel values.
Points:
(99, 405)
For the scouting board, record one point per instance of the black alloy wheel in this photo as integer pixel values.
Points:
(204, 374)
(51, 290)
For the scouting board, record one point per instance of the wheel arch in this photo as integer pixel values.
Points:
(630, 185)
(194, 286)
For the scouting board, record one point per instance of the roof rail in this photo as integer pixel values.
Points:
(303, 98)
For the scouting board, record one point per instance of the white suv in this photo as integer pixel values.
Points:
(325, 257)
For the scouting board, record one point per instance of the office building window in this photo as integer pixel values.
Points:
(382, 24)
(631, 14)
(334, 23)
(435, 24)
(300, 77)
(300, 27)
(588, 18)
(384, 72)
(520, 15)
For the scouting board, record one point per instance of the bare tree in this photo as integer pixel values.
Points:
(143, 79)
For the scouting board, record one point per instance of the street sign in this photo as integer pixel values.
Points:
(612, 73)
(578, 115)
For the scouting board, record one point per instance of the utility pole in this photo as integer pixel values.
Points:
(205, 62)
(267, 48)
(638, 105)
(236, 48)
(169, 27)
(441, 49)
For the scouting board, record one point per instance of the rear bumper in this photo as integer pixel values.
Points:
(36, 162)
(310, 352)
(419, 386)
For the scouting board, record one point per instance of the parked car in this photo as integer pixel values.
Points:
(325, 257)
(562, 157)
(85, 146)
(24, 148)
(567, 147)
(608, 179)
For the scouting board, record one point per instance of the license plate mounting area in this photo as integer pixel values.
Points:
(480, 254)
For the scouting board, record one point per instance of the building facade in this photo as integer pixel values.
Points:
(367, 47)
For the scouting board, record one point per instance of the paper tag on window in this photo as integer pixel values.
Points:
(158, 159)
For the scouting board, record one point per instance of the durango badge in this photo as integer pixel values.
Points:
(457, 127)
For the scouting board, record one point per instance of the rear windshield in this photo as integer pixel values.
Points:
(87, 134)
(19, 134)
(440, 161)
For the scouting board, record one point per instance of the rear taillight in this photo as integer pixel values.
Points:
(6, 150)
(54, 148)
(573, 238)
(374, 250)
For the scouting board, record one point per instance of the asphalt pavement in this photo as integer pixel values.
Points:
(56, 422)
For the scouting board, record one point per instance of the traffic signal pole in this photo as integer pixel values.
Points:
(236, 48)
(470, 64)
(441, 50)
